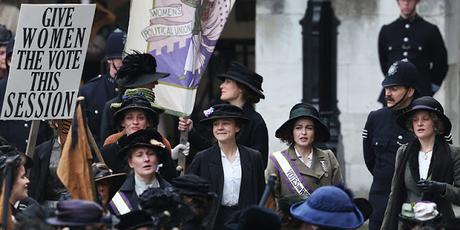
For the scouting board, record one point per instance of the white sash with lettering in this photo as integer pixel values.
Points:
(290, 174)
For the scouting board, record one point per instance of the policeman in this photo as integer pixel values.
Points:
(411, 37)
(382, 136)
(5, 37)
(103, 87)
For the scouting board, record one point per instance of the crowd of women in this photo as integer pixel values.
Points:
(137, 181)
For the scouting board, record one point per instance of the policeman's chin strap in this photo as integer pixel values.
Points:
(399, 102)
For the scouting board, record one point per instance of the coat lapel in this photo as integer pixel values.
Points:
(216, 169)
(316, 169)
(245, 171)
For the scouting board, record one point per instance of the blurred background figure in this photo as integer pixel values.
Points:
(107, 183)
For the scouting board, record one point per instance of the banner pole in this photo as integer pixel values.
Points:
(32, 140)
(182, 158)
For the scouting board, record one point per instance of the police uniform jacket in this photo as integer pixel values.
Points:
(208, 165)
(421, 43)
(253, 134)
(320, 174)
(107, 124)
(398, 188)
(382, 137)
(97, 92)
(128, 192)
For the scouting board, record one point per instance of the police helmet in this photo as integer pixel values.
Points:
(5, 35)
(115, 44)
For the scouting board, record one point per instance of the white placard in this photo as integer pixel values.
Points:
(47, 61)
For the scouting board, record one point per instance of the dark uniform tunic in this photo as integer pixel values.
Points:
(97, 92)
(382, 137)
(421, 43)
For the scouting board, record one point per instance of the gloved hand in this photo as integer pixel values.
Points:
(431, 186)
(180, 148)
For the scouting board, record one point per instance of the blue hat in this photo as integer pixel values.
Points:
(402, 73)
(329, 207)
(115, 44)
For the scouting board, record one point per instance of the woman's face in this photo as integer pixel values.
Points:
(229, 91)
(143, 161)
(19, 191)
(225, 130)
(423, 125)
(134, 120)
(303, 132)
(103, 189)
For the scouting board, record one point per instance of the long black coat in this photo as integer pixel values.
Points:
(97, 92)
(421, 43)
(253, 134)
(40, 173)
(382, 137)
(208, 165)
(128, 190)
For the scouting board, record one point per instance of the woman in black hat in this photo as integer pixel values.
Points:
(243, 88)
(106, 182)
(427, 168)
(144, 152)
(234, 172)
(135, 112)
(13, 181)
(302, 168)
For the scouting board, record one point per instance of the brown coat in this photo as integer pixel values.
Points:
(315, 176)
(444, 204)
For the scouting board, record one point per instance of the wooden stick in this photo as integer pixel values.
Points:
(32, 140)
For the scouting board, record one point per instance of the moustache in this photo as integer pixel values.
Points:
(389, 99)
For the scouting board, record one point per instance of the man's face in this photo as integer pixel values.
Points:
(396, 95)
(407, 7)
(114, 65)
(2, 57)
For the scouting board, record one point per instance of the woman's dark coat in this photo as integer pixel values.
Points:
(208, 165)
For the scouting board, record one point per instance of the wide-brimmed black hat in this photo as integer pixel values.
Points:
(115, 44)
(429, 104)
(9, 153)
(254, 217)
(135, 99)
(5, 35)
(401, 73)
(143, 138)
(192, 185)
(305, 110)
(75, 213)
(243, 75)
(102, 173)
(134, 220)
(222, 111)
(138, 69)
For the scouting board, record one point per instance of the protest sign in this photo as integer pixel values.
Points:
(181, 35)
(47, 61)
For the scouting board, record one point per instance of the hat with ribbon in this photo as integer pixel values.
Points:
(149, 138)
(304, 110)
(138, 69)
(75, 213)
(102, 173)
(329, 207)
(137, 98)
(243, 75)
(429, 104)
(222, 111)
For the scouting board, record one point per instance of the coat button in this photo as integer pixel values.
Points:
(390, 48)
(400, 137)
(376, 143)
(407, 26)
(26, 125)
(96, 112)
(419, 48)
(405, 54)
(406, 39)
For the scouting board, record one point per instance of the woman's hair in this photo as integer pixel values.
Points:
(249, 96)
(438, 126)
(286, 135)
